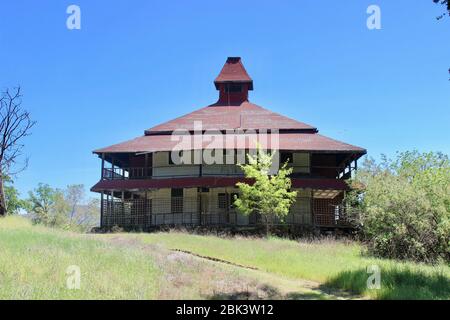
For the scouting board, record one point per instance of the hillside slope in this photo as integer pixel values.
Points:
(34, 264)
(37, 262)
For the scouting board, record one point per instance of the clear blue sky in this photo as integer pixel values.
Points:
(135, 64)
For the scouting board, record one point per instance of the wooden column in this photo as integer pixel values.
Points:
(101, 209)
(313, 219)
(228, 202)
(111, 201)
(146, 166)
(200, 206)
(112, 169)
(123, 205)
(103, 165)
(107, 210)
(147, 216)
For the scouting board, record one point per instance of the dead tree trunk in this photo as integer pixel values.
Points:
(3, 205)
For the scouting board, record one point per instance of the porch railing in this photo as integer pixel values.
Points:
(192, 211)
(181, 171)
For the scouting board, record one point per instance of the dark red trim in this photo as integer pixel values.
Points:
(211, 182)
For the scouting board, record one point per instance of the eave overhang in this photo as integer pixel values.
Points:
(209, 182)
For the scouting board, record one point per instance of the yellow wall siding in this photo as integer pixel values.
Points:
(190, 196)
(162, 168)
(161, 200)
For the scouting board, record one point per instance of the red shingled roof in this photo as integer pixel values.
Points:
(287, 141)
(233, 71)
(294, 135)
(244, 116)
(331, 184)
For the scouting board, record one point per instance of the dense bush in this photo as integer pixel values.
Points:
(403, 206)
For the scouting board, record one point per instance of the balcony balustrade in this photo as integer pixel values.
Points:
(187, 211)
(184, 171)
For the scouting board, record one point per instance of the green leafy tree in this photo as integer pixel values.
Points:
(269, 196)
(404, 208)
(67, 209)
(47, 205)
(13, 202)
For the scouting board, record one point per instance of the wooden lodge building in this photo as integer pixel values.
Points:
(142, 187)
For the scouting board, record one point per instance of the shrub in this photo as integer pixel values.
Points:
(404, 209)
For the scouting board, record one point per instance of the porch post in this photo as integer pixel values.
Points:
(146, 166)
(103, 166)
(145, 210)
(309, 163)
(200, 207)
(123, 206)
(101, 209)
(112, 169)
(313, 218)
(108, 213)
(111, 206)
(228, 202)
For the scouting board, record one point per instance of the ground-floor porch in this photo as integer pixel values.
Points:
(153, 208)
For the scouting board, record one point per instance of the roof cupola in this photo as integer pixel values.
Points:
(233, 82)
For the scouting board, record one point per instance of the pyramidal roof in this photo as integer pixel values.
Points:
(233, 111)
(246, 116)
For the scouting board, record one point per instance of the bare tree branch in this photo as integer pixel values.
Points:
(15, 124)
(447, 4)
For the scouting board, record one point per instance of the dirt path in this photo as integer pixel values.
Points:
(186, 275)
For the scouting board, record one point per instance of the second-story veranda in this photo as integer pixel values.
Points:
(160, 164)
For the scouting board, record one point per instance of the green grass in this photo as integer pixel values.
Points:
(334, 264)
(34, 260)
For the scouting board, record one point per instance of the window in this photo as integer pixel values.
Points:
(176, 202)
(222, 201)
(176, 192)
(233, 88)
(286, 156)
